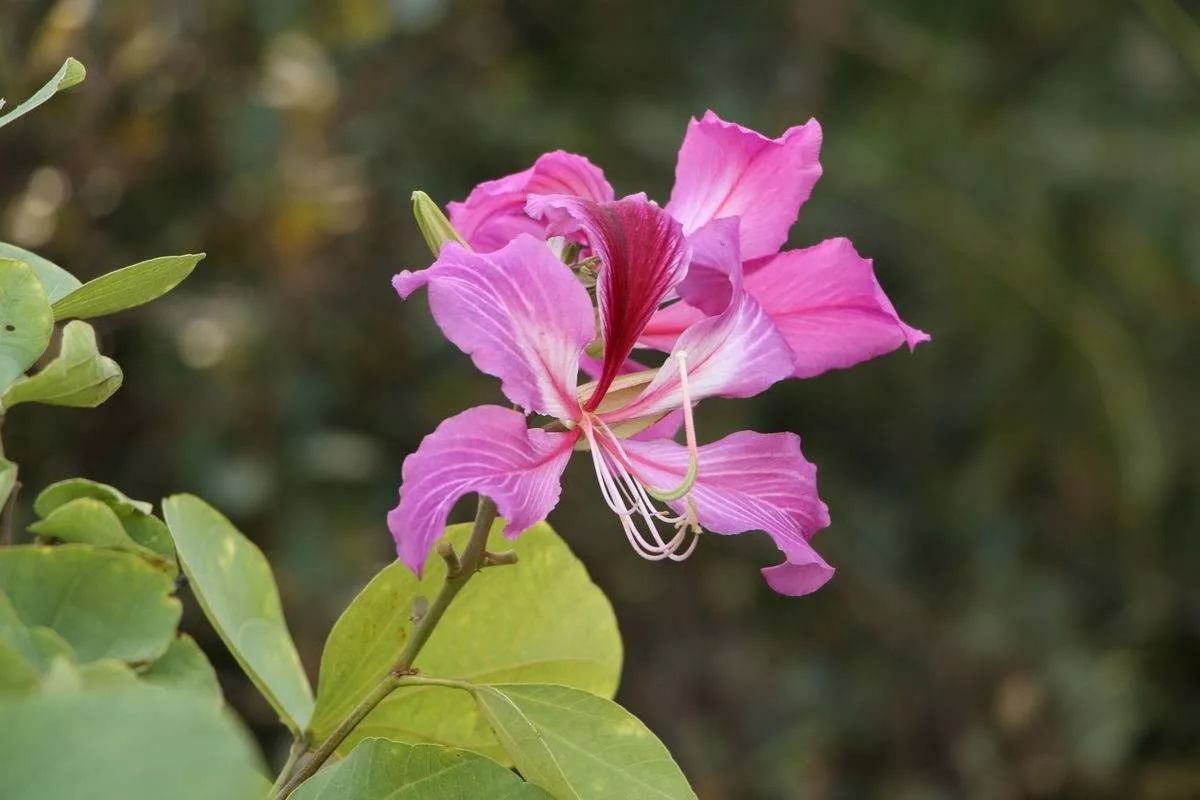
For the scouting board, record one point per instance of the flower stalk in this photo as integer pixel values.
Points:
(472, 559)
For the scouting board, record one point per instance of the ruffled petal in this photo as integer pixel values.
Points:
(494, 213)
(518, 312)
(489, 450)
(725, 170)
(749, 482)
(716, 268)
(737, 353)
(830, 308)
(643, 255)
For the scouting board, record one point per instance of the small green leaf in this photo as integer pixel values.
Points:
(184, 666)
(62, 492)
(88, 521)
(8, 479)
(579, 746)
(135, 742)
(39, 646)
(78, 377)
(379, 769)
(69, 74)
(233, 583)
(126, 288)
(104, 603)
(56, 281)
(540, 620)
(25, 320)
(17, 675)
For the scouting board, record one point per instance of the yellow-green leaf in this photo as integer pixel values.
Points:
(78, 377)
(233, 583)
(578, 746)
(126, 288)
(89, 521)
(379, 769)
(104, 603)
(69, 74)
(26, 322)
(55, 280)
(540, 620)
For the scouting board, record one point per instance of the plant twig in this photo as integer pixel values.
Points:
(469, 562)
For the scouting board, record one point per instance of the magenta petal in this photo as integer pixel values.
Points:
(750, 482)
(494, 213)
(725, 170)
(518, 312)
(737, 353)
(643, 255)
(489, 450)
(716, 269)
(829, 307)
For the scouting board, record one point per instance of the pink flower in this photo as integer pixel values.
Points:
(523, 317)
(736, 195)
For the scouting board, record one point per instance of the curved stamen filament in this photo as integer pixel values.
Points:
(689, 432)
(628, 500)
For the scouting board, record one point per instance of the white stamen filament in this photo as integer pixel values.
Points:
(630, 498)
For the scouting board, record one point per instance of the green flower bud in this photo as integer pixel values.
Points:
(434, 226)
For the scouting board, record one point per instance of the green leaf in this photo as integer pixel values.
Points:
(134, 743)
(78, 377)
(379, 769)
(62, 492)
(136, 516)
(69, 74)
(88, 521)
(17, 675)
(541, 620)
(8, 479)
(39, 646)
(184, 666)
(126, 288)
(56, 281)
(233, 584)
(104, 603)
(25, 320)
(580, 746)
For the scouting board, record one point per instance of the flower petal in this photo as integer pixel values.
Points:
(494, 213)
(737, 353)
(489, 450)
(643, 254)
(518, 312)
(716, 269)
(725, 170)
(829, 307)
(749, 481)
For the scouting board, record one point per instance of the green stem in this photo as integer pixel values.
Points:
(8, 505)
(470, 560)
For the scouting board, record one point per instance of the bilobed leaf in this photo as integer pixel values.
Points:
(62, 492)
(541, 620)
(69, 74)
(133, 742)
(26, 322)
(55, 280)
(88, 521)
(104, 603)
(184, 666)
(126, 288)
(136, 516)
(379, 769)
(233, 584)
(578, 746)
(78, 377)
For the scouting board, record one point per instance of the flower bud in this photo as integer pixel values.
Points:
(434, 226)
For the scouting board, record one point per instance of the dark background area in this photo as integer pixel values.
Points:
(1015, 507)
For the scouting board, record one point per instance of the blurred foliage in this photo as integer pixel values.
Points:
(1017, 610)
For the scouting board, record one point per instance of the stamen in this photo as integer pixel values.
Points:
(689, 432)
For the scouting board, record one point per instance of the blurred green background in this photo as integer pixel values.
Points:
(1016, 507)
